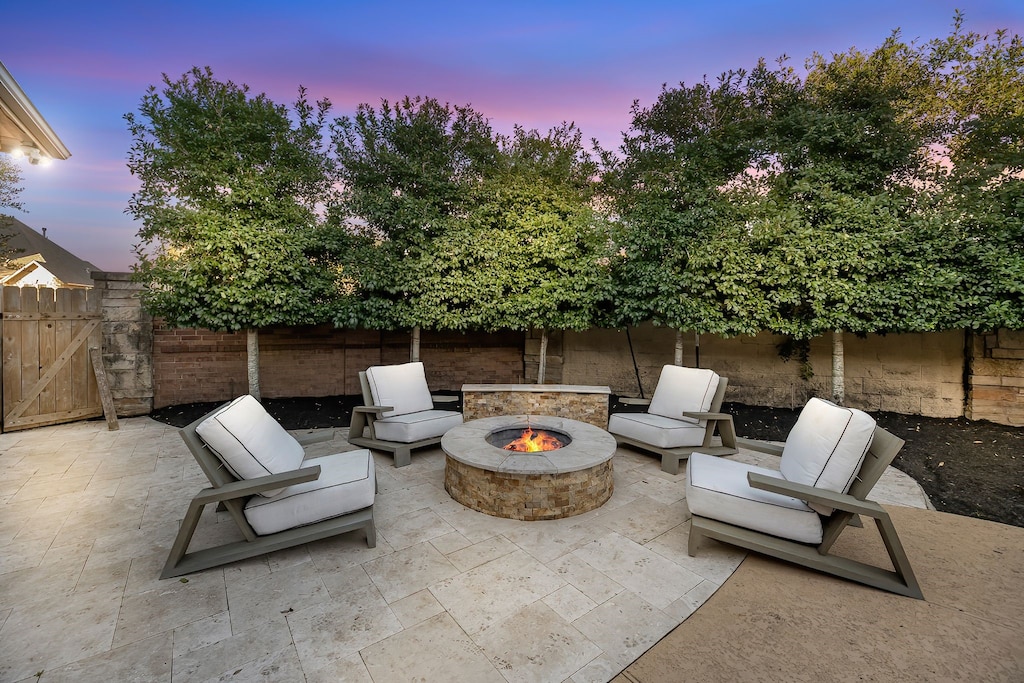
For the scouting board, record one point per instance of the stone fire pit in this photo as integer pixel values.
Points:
(553, 484)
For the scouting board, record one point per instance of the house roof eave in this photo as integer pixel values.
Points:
(21, 123)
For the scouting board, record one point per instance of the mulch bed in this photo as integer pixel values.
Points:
(967, 468)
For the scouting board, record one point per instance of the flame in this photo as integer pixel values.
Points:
(534, 442)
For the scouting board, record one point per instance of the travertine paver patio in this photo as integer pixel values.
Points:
(448, 594)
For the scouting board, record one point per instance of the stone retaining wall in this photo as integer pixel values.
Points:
(996, 383)
(916, 374)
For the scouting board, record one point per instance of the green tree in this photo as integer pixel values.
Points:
(840, 209)
(10, 188)
(230, 185)
(978, 107)
(681, 184)
(407, 170)
(531, 250)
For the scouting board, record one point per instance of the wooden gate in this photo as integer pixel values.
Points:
(45, 341)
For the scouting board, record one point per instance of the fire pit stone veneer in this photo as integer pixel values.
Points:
(552, 484)
(576, 402)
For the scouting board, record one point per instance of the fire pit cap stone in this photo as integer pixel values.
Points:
(537, 388)
(590, 445)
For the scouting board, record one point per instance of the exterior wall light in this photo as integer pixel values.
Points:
(34, 156)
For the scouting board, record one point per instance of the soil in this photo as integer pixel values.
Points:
(967, 468)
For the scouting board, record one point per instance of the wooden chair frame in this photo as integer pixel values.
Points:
(230, 494)
(716, 421)
(361, 431)
(846, 507)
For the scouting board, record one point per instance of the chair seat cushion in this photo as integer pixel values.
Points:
(679, 389)
(426, 424)
(656, 430)
(717, 488)
(403, 387)
(826, 447)
(249, 441)
(347, 483)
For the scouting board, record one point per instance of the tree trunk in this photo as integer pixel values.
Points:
(679, 347)
(838, 369)
(696, 349)
(542, 365)
(252, 348)
(414, 353)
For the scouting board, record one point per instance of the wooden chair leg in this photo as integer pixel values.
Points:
(403, 456)
(670, 463)
(184, 537)
(727, 430)
(371, 533)
(693, 543)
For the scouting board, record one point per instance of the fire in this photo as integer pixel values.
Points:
(533, 442)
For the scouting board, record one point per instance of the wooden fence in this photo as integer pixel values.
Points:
(45, 340)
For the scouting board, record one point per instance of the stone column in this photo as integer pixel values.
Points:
(127, 343)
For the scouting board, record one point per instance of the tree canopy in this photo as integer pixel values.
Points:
(530, 252)
(466, 229)
(407, 170)
(872, 192)
(979, 106)
(230, 184)
(879, 192)
(681, 203)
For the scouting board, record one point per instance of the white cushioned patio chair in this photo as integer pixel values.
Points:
(829, 463)
(399, 414)
(277, 499)
(681, 417)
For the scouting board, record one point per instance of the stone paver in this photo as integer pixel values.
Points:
(87, 517)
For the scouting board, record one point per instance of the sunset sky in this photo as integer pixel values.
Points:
(84, 65)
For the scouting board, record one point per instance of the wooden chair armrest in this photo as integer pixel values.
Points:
(372, 410)
(444, 398)
(841, 501)
(706, 416)
(311, 437)
(760, 446)
(635, 401)
(248, 487)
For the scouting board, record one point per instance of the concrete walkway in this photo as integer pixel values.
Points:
(777, 622)
(448, 594)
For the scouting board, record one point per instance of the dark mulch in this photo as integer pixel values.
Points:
(967, 468)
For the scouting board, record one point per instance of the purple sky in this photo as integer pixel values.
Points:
(84, 65)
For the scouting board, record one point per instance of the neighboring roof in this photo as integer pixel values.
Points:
(21, 124)
(32, 246)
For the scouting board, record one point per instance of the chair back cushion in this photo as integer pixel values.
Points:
(682, 389)
(403, 387)
(249, 441)
(827, 445)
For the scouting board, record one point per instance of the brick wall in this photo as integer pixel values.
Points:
(192, 365)
(996, 384)
(917, 374)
